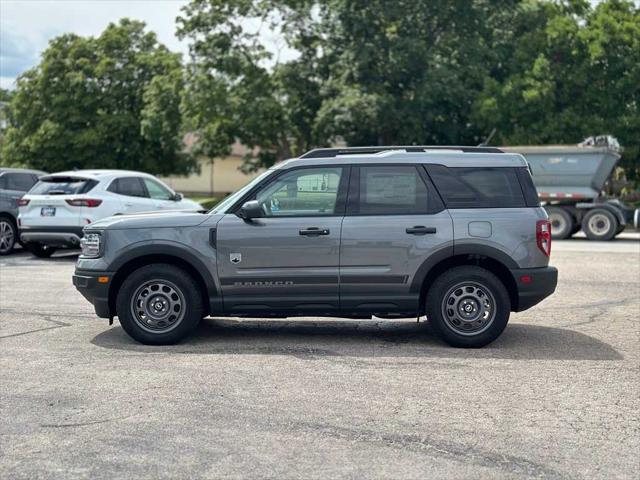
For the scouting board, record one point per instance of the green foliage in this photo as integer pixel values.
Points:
(412, 72)
(107, 102)
(569, 72)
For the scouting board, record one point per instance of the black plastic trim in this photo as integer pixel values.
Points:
(335, 152)
(542, 283)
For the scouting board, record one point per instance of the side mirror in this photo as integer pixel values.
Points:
(177, 197)
(250, 209)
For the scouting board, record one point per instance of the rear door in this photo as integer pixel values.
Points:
(132, 195)
(395, 224)
(288, 259)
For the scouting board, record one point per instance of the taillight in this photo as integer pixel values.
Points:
(543, 236)
(23, 202)
(84, 202)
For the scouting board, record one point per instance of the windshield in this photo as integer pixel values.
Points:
(62, 186)
(234, 197)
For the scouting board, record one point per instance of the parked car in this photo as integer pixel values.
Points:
(455, 234)
(54, 211)
(14, 183)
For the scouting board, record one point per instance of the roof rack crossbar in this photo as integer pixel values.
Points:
(336, 152)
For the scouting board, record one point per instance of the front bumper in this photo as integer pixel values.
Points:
(52, 236)
(92, 286)
(534, 285)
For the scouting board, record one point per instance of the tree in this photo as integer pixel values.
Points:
(107, 102)
(368, 72)
(568, 71)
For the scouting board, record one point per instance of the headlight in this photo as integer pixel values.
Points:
(91, 245)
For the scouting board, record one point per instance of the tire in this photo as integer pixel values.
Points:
(40, 250)
(177, 295)
(8, 234)
(468, 287)
(562, 222)
(600, 224)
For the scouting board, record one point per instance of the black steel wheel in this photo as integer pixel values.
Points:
(468, 306)
(159, 304)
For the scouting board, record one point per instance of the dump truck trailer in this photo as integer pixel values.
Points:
(570, 181)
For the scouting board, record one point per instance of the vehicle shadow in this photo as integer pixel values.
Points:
(366, 339)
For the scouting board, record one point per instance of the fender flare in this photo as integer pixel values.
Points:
(144, 249)
(454, 251)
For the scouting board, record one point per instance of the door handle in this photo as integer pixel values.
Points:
(420, 230)
(313, 231)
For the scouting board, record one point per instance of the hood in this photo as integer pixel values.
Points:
(172, 219)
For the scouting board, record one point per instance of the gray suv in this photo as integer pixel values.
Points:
(14, 183)
(453, 233)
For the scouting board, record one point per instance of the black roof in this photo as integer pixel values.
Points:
(335, 152)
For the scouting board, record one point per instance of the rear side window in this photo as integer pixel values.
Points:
(481, 187)
(528, 188)
(128, 186)
(21, 182)
(388, 190)
(63, 186)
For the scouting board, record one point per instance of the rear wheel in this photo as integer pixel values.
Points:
(159, 304)
(562, 222)
(600, 224)
(468, 307)
(8, 234)
(40, 250)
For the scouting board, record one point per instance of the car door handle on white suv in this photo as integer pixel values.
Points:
(312, 231)
(420, 230)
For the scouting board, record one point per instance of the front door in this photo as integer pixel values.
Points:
(289, 258)
(394, 223)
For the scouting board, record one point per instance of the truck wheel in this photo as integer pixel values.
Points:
(159, 304)
(562, 222)
(40, 250)
(599, 224)
(8, 234)
(468, 307)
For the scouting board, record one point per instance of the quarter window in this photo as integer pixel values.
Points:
(302, 192)
(385, 190)
(487, 187)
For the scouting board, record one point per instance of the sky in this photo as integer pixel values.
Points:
(26, 26)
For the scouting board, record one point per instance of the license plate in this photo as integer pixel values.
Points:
(48, 211)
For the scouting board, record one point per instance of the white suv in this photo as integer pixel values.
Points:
(53, 213)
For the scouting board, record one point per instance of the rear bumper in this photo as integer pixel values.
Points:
(86, 282)
(534, 285)
(52, 236)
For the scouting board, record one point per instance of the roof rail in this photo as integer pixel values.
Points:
(335, 152)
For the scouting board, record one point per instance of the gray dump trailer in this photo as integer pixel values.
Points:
(570, 181)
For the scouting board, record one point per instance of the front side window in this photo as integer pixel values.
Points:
(385, 190)
(128, 186)
(302, 192)
(157, 191)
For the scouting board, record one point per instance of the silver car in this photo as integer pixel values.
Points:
(14, 183)
(453, 233)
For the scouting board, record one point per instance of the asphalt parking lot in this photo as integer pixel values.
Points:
(557, 396)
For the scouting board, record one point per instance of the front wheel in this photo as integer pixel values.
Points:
(159, 304)
(468, 307)
(40, 250)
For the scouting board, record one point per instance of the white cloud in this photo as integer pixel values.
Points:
(26, 26)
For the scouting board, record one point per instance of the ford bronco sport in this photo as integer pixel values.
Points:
(453, 233)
